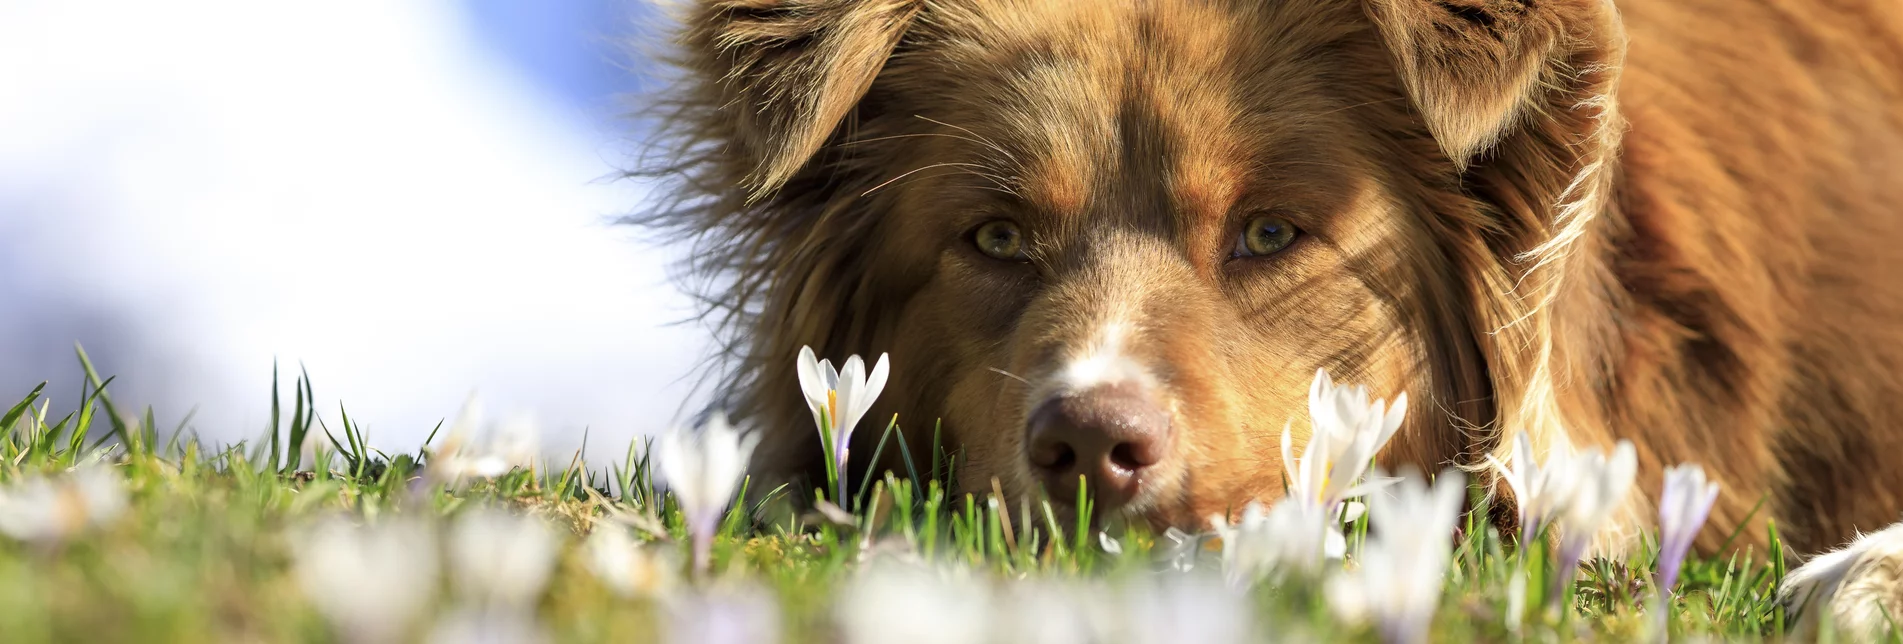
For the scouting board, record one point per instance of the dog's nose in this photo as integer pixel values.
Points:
(1108, 434)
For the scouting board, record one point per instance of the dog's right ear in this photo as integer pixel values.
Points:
(789, 71)
(1477, 68)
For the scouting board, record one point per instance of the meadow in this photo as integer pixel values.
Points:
(114, 530)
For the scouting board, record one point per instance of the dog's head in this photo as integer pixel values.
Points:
(1119, 239)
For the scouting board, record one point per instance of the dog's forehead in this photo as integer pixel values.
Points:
(1127, 107)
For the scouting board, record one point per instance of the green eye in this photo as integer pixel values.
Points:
(1000, 239)
(1265, 236)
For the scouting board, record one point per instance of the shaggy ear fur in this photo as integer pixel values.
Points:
(791, 70)
(1476, 67)
(1520, 97)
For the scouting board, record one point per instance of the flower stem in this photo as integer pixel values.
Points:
(831, 455)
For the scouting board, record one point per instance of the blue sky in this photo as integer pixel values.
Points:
(408, 199)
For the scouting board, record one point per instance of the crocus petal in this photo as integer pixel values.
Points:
(875, 384)
(723, 453)
(703, 471)
(1313, 470)
(1349, 429)
(501, 559)
(1596, 489)
(812, 383)
(1321, 404)
(852, 381)
(703, 468)
(1335, 545)
(1349, 464)
(1353, 402)
(334, 557)
(489, 466)
(681, 475)
(1684, 504)
(1366, 487)
(1523, 453)
(1294, 536)
(1623, 468)
(1404, 563)
(831, 375)
(1391, 423)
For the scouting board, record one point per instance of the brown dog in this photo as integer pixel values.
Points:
(1119, 238)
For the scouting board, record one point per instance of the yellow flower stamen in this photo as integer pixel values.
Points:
(1328, 467)
(832, 406)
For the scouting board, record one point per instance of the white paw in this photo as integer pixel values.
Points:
(1856, 591)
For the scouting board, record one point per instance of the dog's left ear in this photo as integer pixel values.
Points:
(1477, 68)
(788, 72)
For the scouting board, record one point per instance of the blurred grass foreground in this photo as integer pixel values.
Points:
(117, 532)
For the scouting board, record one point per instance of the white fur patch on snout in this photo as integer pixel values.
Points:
(1104, 362)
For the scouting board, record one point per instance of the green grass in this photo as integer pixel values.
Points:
(205, 550)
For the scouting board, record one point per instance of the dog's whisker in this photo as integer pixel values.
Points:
(913, 135)
(1363, 104)
(996, 184)
(1010, 375)
(981, 139)
(954, 173)
(913, 171)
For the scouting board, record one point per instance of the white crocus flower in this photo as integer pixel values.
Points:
(1540, 491)
(1347, 431)
(1516, 600)
(723, 615)
(1599, 486)
(50, 510)
(1402, 568)
(470, 451)
(906, 603)
(1185, 608)
(488, 626)
(703, 469)
(1684, 505)
(839, 399)
(1052, 612)
(1293, 537)
(625, 566)
(371, 583)
(501, 560)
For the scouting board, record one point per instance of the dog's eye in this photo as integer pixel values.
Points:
(1000, 239)
(1265, 236)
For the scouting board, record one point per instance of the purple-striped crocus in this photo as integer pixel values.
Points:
(1683, 506)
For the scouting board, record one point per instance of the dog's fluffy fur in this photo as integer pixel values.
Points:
(1670, 221)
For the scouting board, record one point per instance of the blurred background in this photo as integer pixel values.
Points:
(412, 200)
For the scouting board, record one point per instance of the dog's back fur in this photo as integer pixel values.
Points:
(1744, 305)
(1675, 222)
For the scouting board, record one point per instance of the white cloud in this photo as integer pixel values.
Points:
(353, 185)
